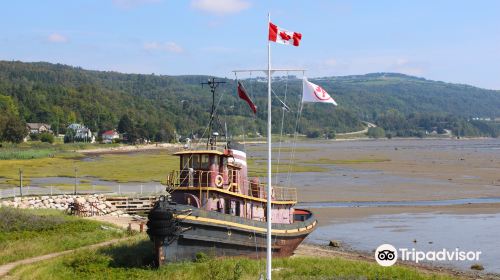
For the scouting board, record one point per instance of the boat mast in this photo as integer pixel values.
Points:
(269, 178)
(213, 84)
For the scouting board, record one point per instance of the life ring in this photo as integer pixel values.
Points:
(219, 180)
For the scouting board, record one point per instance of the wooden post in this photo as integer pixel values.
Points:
(21, 182)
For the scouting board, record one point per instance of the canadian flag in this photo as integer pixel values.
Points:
(314, 93)
(283, 36)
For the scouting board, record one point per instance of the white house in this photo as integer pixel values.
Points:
(82, 132)
(37, 128)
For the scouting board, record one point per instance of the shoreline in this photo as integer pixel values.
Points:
(166, 146)
(315, 250)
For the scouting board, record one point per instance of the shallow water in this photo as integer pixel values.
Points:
(479, 232)
(445, 202)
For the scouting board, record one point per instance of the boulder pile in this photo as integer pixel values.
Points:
(62, 202)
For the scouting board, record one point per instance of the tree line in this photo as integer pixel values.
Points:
(160, 108)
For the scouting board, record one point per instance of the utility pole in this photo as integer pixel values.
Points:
(21, 182)
(76, 183)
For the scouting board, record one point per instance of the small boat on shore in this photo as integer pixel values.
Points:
(213, 207)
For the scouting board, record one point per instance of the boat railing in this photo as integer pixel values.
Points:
(197, 179)
(199, 212)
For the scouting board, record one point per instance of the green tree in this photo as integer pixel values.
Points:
(15, 130)
(376, 132)
(7, 106)
(47, 138)
(125, 124)
(166, 133)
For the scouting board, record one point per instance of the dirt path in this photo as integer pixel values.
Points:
(6, 268)
(368, 125)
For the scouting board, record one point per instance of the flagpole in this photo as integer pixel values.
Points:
(269, 179)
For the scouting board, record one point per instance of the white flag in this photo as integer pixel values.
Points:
(314, 93)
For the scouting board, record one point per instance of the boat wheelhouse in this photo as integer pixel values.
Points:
(218, 181)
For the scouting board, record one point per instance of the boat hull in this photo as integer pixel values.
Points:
(191, 230)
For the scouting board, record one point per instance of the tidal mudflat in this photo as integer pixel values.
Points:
(442, 193)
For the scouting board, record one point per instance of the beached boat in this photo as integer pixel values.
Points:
(213, 207)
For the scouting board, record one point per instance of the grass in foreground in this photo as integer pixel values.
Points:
(29, 233)
(132, 259)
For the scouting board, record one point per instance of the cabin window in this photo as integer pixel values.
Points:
(237, 208)
(204, 162)
(195, 162)
(184, 162)
(227, 207)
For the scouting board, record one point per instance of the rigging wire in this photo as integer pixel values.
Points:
(294, 145)
(283, 109)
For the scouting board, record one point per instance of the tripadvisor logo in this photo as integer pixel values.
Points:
(387, 255)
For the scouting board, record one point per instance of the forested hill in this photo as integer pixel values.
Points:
(59, 95)
(378, 92)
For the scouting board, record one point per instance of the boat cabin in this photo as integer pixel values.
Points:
(217, 181)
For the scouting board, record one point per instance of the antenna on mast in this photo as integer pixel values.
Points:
(212, 136)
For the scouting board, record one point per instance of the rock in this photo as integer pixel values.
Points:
(113, 214)
(51, 200)
(477, 266)
(80, 200)
(44, 197)
(101, 206)
(334, 243)
(17, 199)
(108, 204)
(57, 201)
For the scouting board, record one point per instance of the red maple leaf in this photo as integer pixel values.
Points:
(285, 36)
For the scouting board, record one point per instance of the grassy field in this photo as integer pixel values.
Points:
(34, 150)
(132, 260)
(81, 187)
(29, 233)
(138, 167)
(143, 166)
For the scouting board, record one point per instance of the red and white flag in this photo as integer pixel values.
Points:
(314, 93)
(242, 93)
(282, 36)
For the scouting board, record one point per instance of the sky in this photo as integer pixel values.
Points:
(453, 41)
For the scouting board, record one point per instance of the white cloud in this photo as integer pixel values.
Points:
(168, 47)
(57, 38)
(220, 7)
(128, 4)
